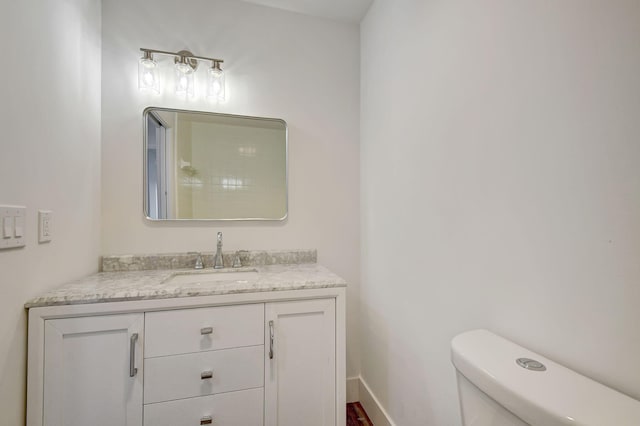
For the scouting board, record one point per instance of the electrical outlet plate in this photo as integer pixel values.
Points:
(13, 233)
(44, 225)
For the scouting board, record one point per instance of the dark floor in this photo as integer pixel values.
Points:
(356, 416)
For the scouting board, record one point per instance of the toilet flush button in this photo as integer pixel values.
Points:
(531, 364)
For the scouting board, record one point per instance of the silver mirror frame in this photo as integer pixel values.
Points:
(145, 200)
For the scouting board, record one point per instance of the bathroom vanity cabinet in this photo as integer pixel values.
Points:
(300, 379)
(272, 358)
(86, 370)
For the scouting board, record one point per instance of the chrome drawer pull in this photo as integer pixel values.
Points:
(206, 374)
(206, 330)
(206, 420)
(132, 355)
(270, 339)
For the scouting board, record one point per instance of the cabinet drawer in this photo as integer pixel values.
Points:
(203, 329)
(185, 376)
(243, 408)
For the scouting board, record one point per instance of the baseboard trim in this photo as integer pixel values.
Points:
(353, 389)
(359, 390)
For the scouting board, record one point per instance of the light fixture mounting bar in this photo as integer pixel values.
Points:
(178, 54)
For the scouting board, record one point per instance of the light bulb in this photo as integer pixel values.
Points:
(185, 84)
(149, 78)
(183, 68)
(148, 74)
(216, 83)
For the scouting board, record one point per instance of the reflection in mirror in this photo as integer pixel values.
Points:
(207, 166)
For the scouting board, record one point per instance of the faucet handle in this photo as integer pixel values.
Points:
(236, 260)
(219, 237)
(199, 263)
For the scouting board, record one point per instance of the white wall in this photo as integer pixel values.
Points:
(49, 159)
(500, 189)
(279, 64)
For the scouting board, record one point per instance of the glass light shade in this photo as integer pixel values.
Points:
(216, 84)
(185, 82)
(148, 75)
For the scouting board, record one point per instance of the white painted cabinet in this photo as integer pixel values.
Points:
(88, 376)
(300, 367)
(205, 366)
(252, 360)
(240, 408)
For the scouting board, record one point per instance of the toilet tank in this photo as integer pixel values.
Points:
(495, 390)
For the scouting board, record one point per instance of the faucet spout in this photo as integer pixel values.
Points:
(218, 261)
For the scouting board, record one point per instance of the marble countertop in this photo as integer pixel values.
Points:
(156, 284)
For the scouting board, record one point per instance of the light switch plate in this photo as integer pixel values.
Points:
(13, 236)
(45, 221)
(18, 226)
(7, 226)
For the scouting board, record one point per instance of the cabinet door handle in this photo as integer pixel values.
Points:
(132, 355)
(206, 330)
(206, 420)
(206, 374)
(270, 339)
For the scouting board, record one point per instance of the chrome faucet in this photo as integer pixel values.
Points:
(218, 262)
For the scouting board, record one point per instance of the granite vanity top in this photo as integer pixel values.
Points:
(134, 284)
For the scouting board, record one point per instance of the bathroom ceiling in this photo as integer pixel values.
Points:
(344, 10)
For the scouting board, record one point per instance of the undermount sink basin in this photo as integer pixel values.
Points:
(199, 277)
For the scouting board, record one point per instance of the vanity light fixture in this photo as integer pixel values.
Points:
(186, 64)
(215, 82)
(186, 67)
(148, 73)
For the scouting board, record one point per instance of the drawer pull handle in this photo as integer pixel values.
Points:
(206, 374)
(206, 330)
(270, 339)
(132, 355)
(206, 420)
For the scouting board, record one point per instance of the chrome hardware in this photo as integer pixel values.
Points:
(206, 330)
(271, 340)
(206, 420)
(206, 375)
(236, 261)
(199, 264)
(132, 355)
(531, 364)
(218, 261)
(186, 58)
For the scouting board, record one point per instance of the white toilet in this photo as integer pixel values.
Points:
(497, 390)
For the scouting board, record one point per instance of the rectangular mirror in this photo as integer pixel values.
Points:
(209, 166)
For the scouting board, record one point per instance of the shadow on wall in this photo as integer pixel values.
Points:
(14, 370)
(410, 374)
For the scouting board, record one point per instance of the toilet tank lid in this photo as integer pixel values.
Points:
(557, 396)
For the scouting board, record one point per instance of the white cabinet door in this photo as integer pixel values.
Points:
(300, 373)
(88, 376)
